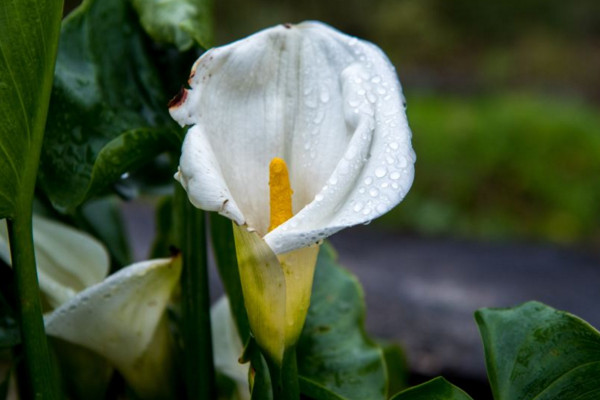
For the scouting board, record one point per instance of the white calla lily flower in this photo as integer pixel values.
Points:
(300, 109)
(123, 319)
(68, 260)
(328, 104)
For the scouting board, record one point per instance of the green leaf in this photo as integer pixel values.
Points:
(336, 359)
(108, 111)
(535, 351)
(28, 40)
(224, 247)
(102, 218)
(435, 389)
(396, 366)
(178, 22)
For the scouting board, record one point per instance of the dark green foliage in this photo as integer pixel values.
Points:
(334, 352)
(108, 111)
(435, 389)
(535, 351)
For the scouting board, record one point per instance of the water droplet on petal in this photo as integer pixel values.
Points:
(368, 180)
(319, 197)
(380, 172)
(373, 192)
(371, 97)
(395, 175)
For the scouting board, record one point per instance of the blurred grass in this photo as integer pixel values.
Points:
(501, 166)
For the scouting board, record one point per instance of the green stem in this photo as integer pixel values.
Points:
(40, 380)
(198, 356)
(284, 377)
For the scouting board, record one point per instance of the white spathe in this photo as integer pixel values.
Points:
(228, 348)
(123, 319)
(329, 104)
(68, 260)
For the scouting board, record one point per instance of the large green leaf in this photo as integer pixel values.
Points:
(179, 22)
(28, 39)
(108, 111)
(336, 359)
(435, 389)
(534, 351)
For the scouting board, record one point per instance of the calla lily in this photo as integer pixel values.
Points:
(227, 347)
(305, 97)
(68, 260)
(123, 319)
(329, 104)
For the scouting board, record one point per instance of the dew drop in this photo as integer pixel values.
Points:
(380, 172)
(394, 145)
(368, 180)
(324, 96)
(319, 197)
(354, 102)
(319, 116)
(371, 97)
(403, 162)
(395, 175)
(357, 207)
(373, 192)
(376, 79)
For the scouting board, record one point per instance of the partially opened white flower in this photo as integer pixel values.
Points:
(306, 99)
(68, 260)
(328, 104)
(123, 319)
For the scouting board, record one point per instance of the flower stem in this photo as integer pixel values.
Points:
(39, 380)
(198, 355)
(284, 377)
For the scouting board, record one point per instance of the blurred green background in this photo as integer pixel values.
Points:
(502, 99)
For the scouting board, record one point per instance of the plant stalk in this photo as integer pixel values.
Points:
(40, 380)
(198, 355)
(284, 377)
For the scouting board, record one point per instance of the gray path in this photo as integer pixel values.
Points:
(423, 292)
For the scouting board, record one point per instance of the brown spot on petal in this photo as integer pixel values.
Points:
(178, 99)
(287, 25)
